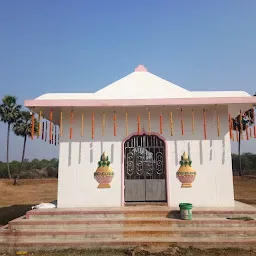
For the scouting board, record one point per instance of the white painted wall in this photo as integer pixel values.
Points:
(211, 158)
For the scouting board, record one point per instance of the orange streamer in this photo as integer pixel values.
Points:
(32, 126)
(247, 132)
(50, 126)
(149, 121)
(114, 123)
(161, 124)
(138, 122)
(250, 132)
(232, 135)
(204, 124)
(93, 125)
(182, 122)
(171, 124)
(71, 122)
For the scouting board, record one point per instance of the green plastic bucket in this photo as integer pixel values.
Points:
(186, 211)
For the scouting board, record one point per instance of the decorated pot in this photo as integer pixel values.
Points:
(186, 174)
(104, 174)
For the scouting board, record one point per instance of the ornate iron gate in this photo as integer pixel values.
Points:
(145, 169)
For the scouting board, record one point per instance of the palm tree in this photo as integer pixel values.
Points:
(23, 128)
(9, 113)
(240, 125)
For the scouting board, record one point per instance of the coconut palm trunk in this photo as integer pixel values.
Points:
(16, 180)
(7, 150)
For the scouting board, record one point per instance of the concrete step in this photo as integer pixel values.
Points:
(129, 242)
(46, 214)
(145, 232)
(103, 223)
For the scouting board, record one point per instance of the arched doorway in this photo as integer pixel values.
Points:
(145, 169)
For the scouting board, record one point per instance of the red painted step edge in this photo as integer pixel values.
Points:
(130, 243)
(84, 212)
(120, 231)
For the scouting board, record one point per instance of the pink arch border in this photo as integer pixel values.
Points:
(166, 164)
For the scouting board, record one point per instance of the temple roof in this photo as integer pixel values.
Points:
(141, 84)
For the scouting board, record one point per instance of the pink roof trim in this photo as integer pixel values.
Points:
(139, 102)
(141, 68)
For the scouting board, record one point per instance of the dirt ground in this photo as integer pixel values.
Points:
(140, 251)
(16, 200)
(245, 189)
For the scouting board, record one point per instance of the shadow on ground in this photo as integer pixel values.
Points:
(12, 212)
(15, 211)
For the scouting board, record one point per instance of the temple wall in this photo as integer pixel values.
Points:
(211, 158)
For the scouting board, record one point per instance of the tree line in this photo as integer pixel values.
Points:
(37, 169)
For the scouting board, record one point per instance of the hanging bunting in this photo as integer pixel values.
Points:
(232, 135)
(103, 124)
(247, 132)
(114, 123)
(237, 136)
(149, 121)
(254, 119)
(82, 125)
(61, 120)
(138, 123)
(55, 135)
(126, 123)
(92, 125)
(204, 124)
(50, 126)
(171, 124)
(32, 126)
(46, 126)
(250, 122)
(161, 124)
(241, 125)
(71, 122)
(218, 125)
(42, 130)
(193, 122)
(39, 124)
(182, 121)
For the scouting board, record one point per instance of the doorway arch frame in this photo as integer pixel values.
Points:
(167, 177)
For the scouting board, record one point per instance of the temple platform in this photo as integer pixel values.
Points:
(131, 226)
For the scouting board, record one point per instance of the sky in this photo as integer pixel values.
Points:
(84, 45)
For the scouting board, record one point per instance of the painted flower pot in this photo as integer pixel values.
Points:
(186, 174)
(104, 174)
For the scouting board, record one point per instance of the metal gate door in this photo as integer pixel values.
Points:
(145, 170)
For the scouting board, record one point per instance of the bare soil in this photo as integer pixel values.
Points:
(148, 251)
